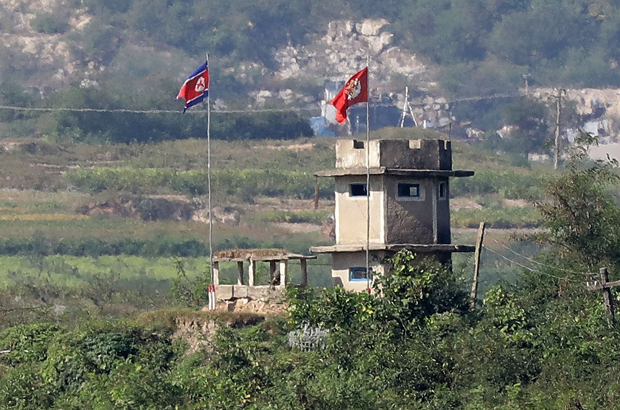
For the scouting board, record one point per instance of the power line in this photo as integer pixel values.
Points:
(123, 110)
(241, 111)
(539, 263)
(527, 267)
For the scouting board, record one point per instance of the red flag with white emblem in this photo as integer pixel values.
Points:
(354, 91)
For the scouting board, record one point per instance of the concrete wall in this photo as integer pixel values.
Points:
(352, 154)
(351, 211)
(410, 220)
(341, 262)
(404, 154)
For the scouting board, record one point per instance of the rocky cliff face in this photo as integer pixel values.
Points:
(343, 49)
(600, 108)
(48, 54)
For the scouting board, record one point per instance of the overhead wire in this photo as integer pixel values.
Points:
(124, 110)
(528, 267)
(540, 263)
(241, 111)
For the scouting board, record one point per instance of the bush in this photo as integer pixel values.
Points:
(48, 23)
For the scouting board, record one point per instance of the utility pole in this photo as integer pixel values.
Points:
(316, 194)
(556, 153)
(478, 252)
(407, 110)
(603, 284)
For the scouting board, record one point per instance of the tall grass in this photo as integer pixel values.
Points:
(246, 184)
(508, 184)
(499, 218)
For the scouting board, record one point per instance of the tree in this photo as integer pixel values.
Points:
(529, 119)
(581, 215)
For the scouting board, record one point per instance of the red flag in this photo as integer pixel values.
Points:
(354, 91)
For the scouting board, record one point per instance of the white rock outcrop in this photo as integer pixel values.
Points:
(343, 50)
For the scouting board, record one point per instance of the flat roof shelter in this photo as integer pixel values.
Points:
(408, 199)
(278, 272)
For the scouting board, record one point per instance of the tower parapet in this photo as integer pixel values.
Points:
(400, 154)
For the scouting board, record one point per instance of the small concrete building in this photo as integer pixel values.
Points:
(409, 206)
(249, 288)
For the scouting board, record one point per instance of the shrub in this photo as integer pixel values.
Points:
(48, 23)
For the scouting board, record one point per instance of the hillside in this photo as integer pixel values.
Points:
(280, 53)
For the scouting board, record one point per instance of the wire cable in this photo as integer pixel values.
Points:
(527, 267)
(127, 111)
(540, 263)
(244, 111)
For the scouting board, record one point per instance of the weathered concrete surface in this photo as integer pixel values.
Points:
(403, 154)
(228, 292)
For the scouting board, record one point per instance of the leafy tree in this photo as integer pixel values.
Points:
(582, 216)
(529, 119)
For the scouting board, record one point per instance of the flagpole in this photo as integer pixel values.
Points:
(368, 278)
(211, 294)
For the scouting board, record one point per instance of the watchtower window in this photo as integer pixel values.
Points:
(443, 190)
(358, 190)
(359, 274)
(409, 190)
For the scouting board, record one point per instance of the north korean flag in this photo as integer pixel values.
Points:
(195, 87)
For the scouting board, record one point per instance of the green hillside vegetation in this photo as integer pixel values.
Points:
(146, 47)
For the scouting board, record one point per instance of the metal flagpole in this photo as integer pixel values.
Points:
(368, 277)
(212, 285)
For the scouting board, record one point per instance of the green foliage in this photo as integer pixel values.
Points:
(413, 291)
(193, 292)
(530, 128)
(246, 184)
(49, 23)
(581, 215)
(270, 125)
(27, 343)
(542, 343)
(416, 290)
(498, 218)
(313, 217)
(483, 46)
(23, 388)
(509, 185)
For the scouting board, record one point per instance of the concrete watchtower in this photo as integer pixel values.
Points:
(409, 205)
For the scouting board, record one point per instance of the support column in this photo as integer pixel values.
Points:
(283, 272)
(304, 272)
(240, 273)
(272, 269)
(252, 273)
(216, 273)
